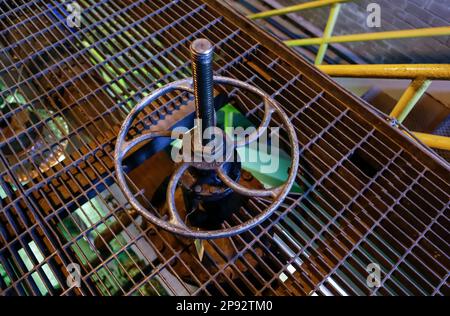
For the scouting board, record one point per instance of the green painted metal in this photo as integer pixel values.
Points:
(229, 117)
(332, 19)
(294, 8)
(375, 36)
(409, 99)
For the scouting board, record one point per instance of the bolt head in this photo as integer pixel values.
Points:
(197, 188)
(201, 46)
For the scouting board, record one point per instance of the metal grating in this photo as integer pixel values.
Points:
(370, 195)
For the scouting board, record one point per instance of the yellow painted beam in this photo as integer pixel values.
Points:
(425, 32)
(434, 141)
(332, 18)
(409, 98)
(294, 8)
(399, 71)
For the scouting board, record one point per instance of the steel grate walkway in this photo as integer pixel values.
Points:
(369, 194)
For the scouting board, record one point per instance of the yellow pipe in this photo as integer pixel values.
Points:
(294, 8)
(425, 32)
(399, 71)
(332, 18)
(409, 98)
(434, 141)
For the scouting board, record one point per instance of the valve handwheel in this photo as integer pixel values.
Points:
(201, 85)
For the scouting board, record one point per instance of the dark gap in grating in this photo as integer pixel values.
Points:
(366, 166)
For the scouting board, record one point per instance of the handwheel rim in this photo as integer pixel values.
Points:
(178, 226)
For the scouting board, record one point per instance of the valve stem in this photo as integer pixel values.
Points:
(202, 52)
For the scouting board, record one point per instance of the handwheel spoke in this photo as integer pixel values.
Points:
(269, 199)
(174, 215)
(273, 193)
(269, 108)
(126, 146)
(185, 87)
(262, 127)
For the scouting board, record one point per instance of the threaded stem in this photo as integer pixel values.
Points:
(202, 69)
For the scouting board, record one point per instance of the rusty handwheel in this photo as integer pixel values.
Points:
(204, 80)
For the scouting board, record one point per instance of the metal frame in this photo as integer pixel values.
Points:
(422, 75)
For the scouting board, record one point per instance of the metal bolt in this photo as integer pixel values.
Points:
(202, 52)
(197, 188)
